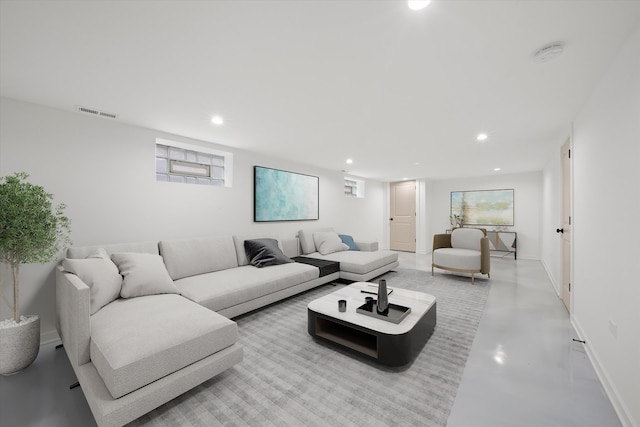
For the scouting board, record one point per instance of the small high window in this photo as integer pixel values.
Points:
(190, 164)
(353, 187)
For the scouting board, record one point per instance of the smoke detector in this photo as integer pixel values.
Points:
(548, 52)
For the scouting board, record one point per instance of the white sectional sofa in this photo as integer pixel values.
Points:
(144, 322)
(359, 265)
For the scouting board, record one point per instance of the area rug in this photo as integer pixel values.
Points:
(289, 379)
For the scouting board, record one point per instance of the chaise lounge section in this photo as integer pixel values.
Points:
(360, 261)
(134, 354)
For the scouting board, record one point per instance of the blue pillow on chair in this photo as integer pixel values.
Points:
(348, 240)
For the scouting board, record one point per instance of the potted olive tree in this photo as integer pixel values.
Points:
(32, 230)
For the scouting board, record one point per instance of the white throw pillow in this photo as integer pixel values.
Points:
(100, 274)
(328, 242)
(144, 274)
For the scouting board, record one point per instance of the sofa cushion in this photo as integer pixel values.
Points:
(463, 259)
(466, 238)
(359, 262)
(348, 240)
(189, 257)
(99, 273)
(328, 242)
(264, 252)
(165, 333)
(306, 239)
(227, 288)
(144, 274)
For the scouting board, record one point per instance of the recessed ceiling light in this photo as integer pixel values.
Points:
(217, 120)
(349, 161)
(482, 137)
(496, 169)
(418, 4)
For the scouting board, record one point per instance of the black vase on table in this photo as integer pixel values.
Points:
(383, 298)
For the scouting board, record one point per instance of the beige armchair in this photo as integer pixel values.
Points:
(465, 250)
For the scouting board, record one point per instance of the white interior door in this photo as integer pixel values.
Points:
(402, 227)
(566, 224)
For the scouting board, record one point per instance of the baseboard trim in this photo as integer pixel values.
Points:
(610, 389)
(49, 337)
(551, 278)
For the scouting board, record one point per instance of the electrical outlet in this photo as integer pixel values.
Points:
(613, 328)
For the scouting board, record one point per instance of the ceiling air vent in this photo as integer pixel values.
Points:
(96, 112)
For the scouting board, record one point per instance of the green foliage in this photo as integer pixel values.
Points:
(32, 229)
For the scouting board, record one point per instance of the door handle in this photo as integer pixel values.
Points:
(560, 230)
(390, 219)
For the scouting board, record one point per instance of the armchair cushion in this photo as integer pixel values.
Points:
(461, 259)
(466, 238)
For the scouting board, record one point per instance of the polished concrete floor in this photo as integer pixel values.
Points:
(523, 369)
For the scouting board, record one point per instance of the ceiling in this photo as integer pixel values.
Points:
(402, 93)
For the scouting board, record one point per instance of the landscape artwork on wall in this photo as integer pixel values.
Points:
(483, 207)
(284, 196)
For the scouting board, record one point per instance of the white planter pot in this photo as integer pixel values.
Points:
(20, 345)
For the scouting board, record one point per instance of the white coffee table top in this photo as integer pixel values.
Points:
(419, 302)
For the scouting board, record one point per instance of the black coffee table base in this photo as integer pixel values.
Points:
(386, 349)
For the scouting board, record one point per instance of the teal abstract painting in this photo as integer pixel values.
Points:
(284, 196)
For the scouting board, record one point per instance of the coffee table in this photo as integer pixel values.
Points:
(383, 341)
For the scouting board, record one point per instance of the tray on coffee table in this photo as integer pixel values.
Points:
(395, 313)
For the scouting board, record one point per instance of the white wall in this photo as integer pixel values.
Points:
(527, 205)
(606, 146)
(104, 171)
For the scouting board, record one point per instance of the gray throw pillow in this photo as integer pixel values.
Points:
(264, 252)
(99, 274)
(328, 242)
(144, 274)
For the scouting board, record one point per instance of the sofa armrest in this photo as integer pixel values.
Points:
(485, 256)
(441, 241)
(367, 246)
(73, 316)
